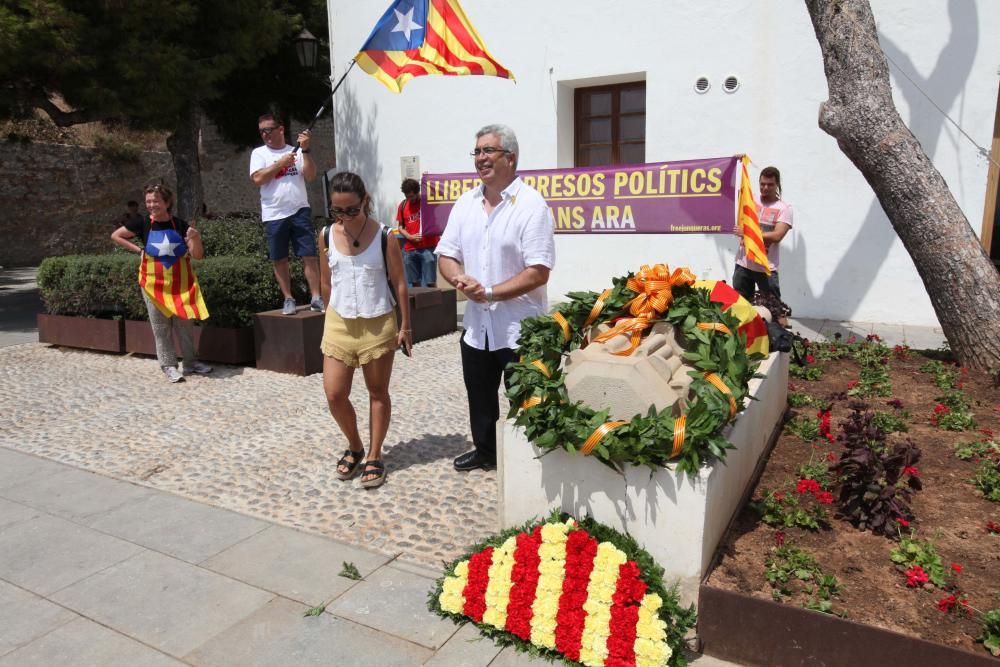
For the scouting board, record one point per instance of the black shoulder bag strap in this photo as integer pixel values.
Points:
(385, 260)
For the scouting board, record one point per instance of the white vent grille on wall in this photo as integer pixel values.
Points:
(731, 84)
(702, 85)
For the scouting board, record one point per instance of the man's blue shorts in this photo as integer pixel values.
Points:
(296, 228)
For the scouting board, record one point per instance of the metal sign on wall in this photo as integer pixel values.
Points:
(682, 197)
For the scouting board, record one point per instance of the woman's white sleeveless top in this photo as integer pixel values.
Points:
(358, 285)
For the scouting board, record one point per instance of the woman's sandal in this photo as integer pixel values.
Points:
(352, 464)
(373, 467)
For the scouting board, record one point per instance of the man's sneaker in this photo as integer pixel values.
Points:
(289, 307)
(198, 367)
(173, 374)
(316, 305)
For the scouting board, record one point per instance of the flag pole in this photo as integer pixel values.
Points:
(327, 102)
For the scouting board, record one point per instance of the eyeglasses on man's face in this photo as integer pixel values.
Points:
(489, 151)
(345, 212)
(268, 130)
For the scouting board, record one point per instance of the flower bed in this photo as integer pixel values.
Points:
(889, 520)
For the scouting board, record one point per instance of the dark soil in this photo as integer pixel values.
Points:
(949, 511)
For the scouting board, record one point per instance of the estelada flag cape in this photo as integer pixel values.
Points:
(752, 325)
(748, 220)
(425, 37)
(166, 276)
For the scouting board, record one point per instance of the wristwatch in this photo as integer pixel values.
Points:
(489, 295)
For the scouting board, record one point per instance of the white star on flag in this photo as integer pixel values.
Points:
(165, 248)
(406, 24)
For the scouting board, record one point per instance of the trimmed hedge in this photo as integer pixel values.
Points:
(242, 237)
(106, 286)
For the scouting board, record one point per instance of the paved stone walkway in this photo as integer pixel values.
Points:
(260, 443)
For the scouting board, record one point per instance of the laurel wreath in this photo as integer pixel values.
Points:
(714, 347)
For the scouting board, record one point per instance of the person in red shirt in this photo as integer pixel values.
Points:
(418, 251)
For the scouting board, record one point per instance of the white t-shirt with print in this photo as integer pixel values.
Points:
(285, 193)
(769, 215)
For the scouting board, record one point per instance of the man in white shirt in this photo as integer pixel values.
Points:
(498, 248)
(775, 217)
(281, 173)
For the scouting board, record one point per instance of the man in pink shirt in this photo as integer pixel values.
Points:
(775, 220)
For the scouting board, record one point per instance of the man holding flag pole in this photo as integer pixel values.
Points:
(762, 222)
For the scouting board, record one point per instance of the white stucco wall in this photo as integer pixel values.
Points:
(842, 260)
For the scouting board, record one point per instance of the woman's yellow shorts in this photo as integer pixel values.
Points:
(358, 341)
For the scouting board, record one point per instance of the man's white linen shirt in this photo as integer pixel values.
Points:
(493, 249)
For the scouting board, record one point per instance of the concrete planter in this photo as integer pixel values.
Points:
(83, 332)
(679, 521)
(224, 345)
(753, 631)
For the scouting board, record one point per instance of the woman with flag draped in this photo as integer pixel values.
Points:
(170, 287)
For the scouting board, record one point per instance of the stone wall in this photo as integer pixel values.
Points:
(58, 199)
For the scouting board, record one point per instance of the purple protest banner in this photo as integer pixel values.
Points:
(682, 197)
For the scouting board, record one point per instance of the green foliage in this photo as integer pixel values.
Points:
(987, 479)
(990, 635)
(873, 357)
(798, 399)
(315, 611)
(785, 509)
(556, 422)
(957, 416)
(830, 350)
(679, 620)
(114, 149)
(233, 236)
(809, 372)
(818, 471)
(977, 449)
(805, 427)
(350, 571)
(106, 286)
(791, 570)
(891, 422)
(912, 551)
(944, 377)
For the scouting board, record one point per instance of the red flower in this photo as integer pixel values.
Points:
(824, 424)
(912, 471)
(852, 339)
(947, 604)
(895, 403)
(941, 408)
(873, 338)
(987, 432)
(807, 486)
(824, 498)
(992, 527)
(916, 576)
(779, 537)
(956, 567)
(902, 522)
(779, 496)
(810, 359)
(831, 457)
(852, 384)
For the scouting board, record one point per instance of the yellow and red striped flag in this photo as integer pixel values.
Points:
(748, 221)
(166, 276)
(425, 37)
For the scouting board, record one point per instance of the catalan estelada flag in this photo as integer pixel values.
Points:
(166, 276)
(752, 325)
(425, 37)
(748, 220)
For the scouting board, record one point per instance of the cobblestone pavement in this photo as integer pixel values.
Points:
(261, 443)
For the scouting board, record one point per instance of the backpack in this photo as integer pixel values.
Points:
(384, 241)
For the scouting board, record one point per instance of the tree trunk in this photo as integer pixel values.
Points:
(183, 146)
(963, 285)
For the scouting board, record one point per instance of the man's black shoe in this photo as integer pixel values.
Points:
(472, 460)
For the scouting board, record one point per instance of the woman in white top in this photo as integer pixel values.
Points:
(360, 328)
